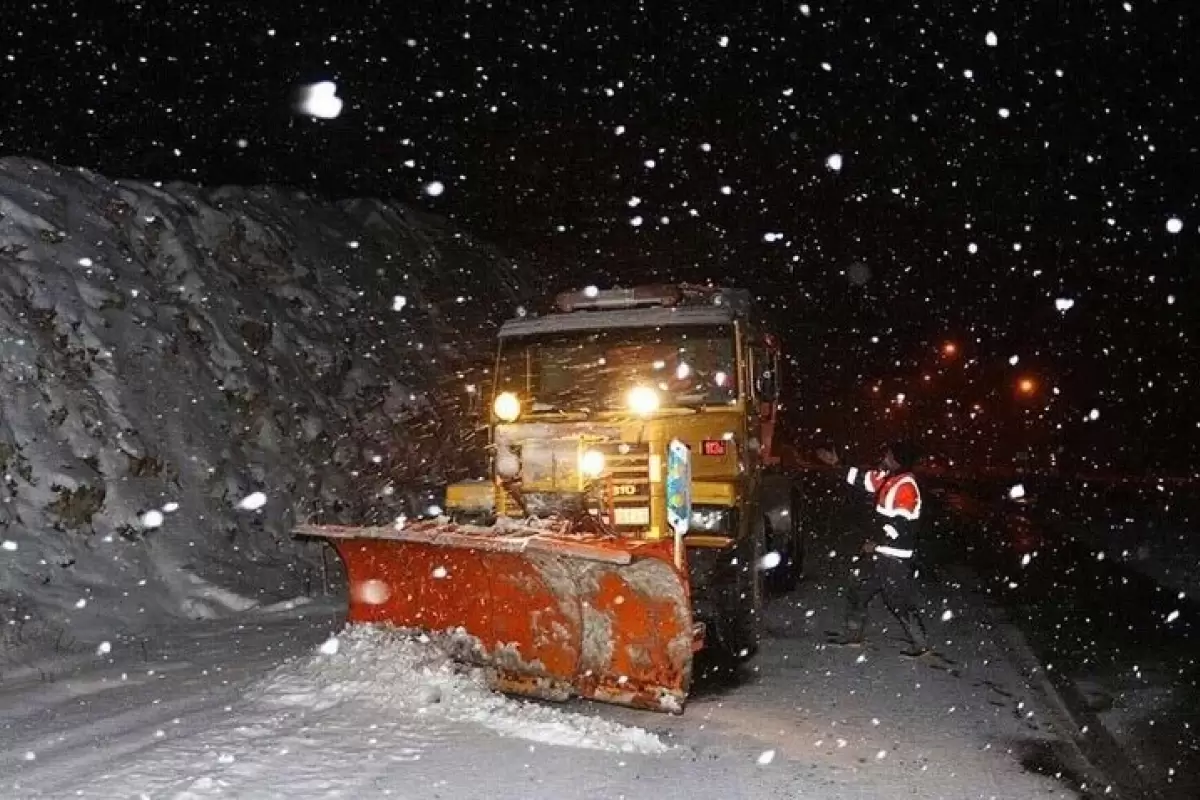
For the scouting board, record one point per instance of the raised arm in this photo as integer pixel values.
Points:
(868, 480)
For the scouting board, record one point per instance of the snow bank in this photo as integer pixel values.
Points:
(397, 674)
(185, 373)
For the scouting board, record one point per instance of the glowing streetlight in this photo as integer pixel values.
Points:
(949, 349)
(1026, 386)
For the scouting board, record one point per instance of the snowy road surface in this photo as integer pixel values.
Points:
(1124, 643)
(268, 706)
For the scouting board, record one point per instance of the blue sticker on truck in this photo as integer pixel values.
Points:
(679, 487)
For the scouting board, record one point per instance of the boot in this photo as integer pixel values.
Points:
(916, 651)
(852, 637)
(914, 628)
(845, 640)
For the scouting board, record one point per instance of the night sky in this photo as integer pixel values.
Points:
(995, 159)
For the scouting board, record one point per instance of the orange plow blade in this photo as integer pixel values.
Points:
(550, 614)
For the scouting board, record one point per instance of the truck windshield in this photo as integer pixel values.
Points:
(594, 370)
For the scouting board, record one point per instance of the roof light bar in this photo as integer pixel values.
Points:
(593, 298)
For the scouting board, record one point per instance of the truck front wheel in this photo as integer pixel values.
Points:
(738, 604)
(785, 538)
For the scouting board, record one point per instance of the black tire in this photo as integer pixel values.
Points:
(776, 577)
(799, 548)
(781, 522)
(785, 577)
(739, 605)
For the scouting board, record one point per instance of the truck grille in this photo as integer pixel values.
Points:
(626, 479)
(627, 470)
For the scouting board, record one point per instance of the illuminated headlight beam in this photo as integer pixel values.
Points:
(591, 464)
(643, 400)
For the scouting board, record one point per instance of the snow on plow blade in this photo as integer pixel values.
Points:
(550, 614)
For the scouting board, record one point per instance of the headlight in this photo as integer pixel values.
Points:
(507, 406)
(591, 464)
(642, 400)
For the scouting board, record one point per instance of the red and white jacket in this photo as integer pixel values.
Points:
(897, 508)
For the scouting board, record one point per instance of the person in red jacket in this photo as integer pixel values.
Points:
(887, 565)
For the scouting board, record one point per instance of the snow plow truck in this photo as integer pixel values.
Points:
(633, 514)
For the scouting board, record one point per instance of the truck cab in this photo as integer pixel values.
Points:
(586, 400)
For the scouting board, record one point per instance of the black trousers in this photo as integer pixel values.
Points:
(894, 579)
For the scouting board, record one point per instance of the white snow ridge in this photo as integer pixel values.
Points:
(384, 673)
(217, 349)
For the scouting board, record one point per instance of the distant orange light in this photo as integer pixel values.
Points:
(949, 348)
(1026, 385)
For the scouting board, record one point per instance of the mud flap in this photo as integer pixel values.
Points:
(549, 615)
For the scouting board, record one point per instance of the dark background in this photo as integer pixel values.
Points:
(516, 109)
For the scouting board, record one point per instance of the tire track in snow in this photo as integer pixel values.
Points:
(181, 680)
(84, 750)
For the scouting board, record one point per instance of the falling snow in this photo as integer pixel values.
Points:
(997, 184)
(152, 519)
(253, 502)
(320, 100)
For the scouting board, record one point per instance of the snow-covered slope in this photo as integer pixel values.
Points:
(184, 373)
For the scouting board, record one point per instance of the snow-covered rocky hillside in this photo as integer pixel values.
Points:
(185, 373)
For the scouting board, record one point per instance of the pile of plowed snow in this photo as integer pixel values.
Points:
(392, 674)
(185, 373)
